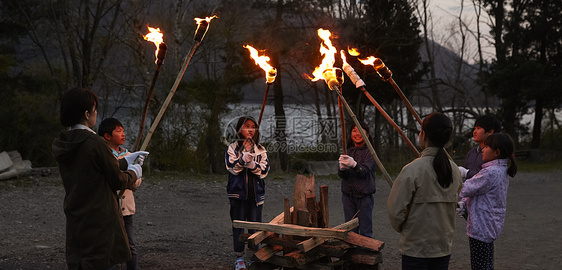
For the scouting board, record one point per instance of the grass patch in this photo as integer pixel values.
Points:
(527, 166)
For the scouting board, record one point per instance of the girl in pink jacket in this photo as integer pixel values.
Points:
(484, 198)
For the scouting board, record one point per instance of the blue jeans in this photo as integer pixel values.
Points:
(413, 263)
(361, 208)
(246, 211)
(133, 264)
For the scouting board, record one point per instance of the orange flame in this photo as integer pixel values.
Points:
(270, 72)
(353, 51)
(343, 58)
(208, 19)
(329, 53)
(369, 61)
(156, 37)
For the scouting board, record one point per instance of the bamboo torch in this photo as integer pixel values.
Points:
(356, 80)
(202, 27)
(156, 37)
(334, 78)
(386, 75)
(270, 74)
(329, 52)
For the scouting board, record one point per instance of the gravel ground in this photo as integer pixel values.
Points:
(182, 222)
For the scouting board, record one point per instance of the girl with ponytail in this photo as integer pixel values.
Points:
(484, 198)
(422, 201)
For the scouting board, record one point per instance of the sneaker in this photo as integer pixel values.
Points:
(239, 264)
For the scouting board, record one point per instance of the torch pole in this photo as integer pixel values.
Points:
(160, 59)
(365, 138)
(263, 103)
(169, 98)
(389, 119)
(405, 100)
(342, 123)
(145, 111)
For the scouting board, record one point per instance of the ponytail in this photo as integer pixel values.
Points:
(442, 167)
(438, 129)
(512, 170)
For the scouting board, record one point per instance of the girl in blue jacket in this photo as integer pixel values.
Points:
(247, 165)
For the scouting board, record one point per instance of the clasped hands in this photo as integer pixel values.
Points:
(248, 160)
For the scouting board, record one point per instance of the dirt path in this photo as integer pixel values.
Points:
(183, 223)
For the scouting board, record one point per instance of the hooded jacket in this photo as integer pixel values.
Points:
(239, 176)
(95, 235)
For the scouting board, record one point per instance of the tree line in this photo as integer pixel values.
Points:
(51, 46)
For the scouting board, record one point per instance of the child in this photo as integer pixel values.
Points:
(483, 127)
(421, 204)
(357, 171)
(95, 237)
(484, 197)
(247, 165)
(112, 131)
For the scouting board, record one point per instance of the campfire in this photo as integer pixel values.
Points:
(300, 237)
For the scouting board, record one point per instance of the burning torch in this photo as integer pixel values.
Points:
(202, 27)
(386, 75)
(334, 78)
(356, 80)
(270, 74)
(156, 37)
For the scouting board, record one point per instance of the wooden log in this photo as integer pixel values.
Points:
(267, 251)
(303, 217)
(287, 220)
(290, 229)
(333, 248)
(312, 207)
(313, 242)
(287, 211)
(257, 237)
(365, 242)
(324, 212)
(362, 256)
(304, 186)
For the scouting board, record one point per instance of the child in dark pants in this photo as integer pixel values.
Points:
(247, 165)
(357, 171)
(112, 131)
(484, 198)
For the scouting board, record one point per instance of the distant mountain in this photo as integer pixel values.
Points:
(455, 79)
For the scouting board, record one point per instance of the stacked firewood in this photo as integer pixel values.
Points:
(299, 238)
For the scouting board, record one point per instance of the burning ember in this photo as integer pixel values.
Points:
(202, 27)
(270, 72)
(157, 38)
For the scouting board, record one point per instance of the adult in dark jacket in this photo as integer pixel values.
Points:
(357, 171)
(95, 235)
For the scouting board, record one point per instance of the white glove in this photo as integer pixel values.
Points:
(136, 168)
(464, 171)
(461, 209)
(136, 157)
(347, 162)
